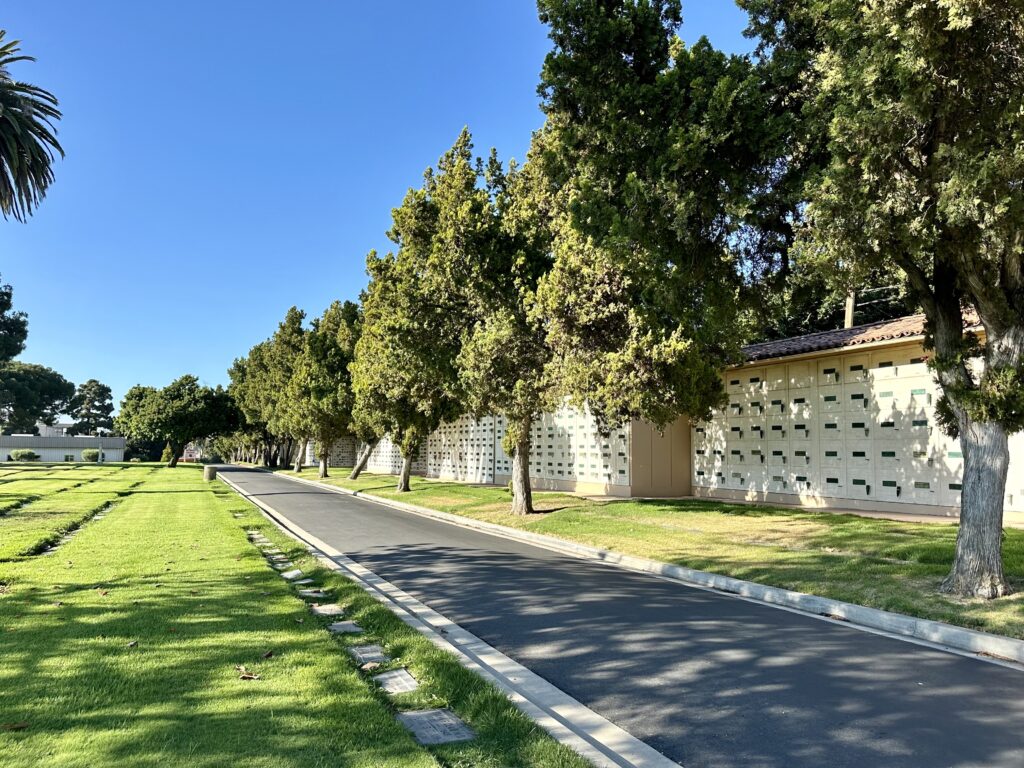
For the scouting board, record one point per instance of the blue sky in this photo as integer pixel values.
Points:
(226, 160)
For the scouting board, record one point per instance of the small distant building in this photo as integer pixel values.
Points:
(193, 452)
(57, 448)
(60, 429)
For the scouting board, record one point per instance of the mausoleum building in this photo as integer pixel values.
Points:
(842, 418)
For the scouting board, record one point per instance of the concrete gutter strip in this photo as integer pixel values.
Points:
(567, 720)
(897, 624)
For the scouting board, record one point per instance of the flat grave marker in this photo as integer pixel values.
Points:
(345, 627)
(436, 726)
(397, 681)
(327, 609)
(369, 653)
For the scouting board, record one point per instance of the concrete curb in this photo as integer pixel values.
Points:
(568, 721)
(896, 624)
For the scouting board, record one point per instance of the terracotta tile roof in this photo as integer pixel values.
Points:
(884, 330)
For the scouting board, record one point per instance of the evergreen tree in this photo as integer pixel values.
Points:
(31, 393)
(91, 408)
(319, 397)
(182, 412)
(926, 154)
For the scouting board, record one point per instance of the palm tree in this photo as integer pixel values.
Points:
(28, 138)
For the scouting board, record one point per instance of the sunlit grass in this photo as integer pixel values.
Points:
(121, 647)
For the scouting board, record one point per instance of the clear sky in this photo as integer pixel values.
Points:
(227, 159)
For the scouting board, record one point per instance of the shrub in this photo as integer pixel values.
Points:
(24, 454)
(167, 455)
(91, 454)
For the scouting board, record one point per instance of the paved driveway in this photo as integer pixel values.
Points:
(709, 680)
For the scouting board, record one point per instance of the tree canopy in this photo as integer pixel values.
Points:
(92, 407)
(660, 152)
(319, 398)
(926, 152)
(31, 393)
(13, 326)
(259, 385)
(180, 413)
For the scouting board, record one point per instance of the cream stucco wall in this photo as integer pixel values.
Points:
(855, 428)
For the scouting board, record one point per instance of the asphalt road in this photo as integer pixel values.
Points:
(709, 680)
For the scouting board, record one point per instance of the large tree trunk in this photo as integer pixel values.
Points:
(300, 455)
(978, 564)
(363, 459)
(176, 450)
(403, 477)
(323, 466)
(522, 496)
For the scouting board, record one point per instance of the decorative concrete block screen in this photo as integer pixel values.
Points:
(387, 458)
(464, 450)
(343, 453)
(854, 426)
(567, 449)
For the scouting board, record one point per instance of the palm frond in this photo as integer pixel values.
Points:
(28, 137)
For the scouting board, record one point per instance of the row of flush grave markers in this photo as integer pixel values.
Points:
(428, 726)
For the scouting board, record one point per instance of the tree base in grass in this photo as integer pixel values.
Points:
(986, 586)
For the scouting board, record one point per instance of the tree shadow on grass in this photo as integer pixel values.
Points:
(175, 698)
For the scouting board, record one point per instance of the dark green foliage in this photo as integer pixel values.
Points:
(13, 326)
(319, 400)
(660, 155)
(92, 407)
(405, 374)
(179, 413)
(24, 454)
(30, 393)
(918, 106)
(259, 384)
(91, 454)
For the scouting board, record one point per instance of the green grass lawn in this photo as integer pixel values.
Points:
(41, 521)
(120, 647)
(884, 564)
(28, 482)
